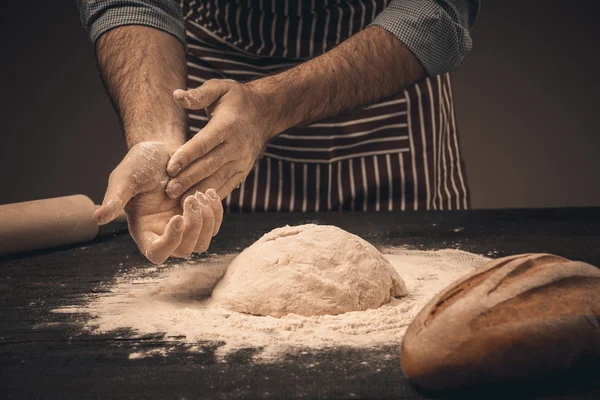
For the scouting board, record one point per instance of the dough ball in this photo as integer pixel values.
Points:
(308, 270)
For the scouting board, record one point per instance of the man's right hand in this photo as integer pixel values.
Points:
(160, 226)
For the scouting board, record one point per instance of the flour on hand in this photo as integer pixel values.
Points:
(308, 270)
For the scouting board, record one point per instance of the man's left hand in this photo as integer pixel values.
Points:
(224, 152)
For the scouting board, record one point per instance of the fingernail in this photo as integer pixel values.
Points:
(178, 224)
(178, 94)
(212, 193)
(113, 204)
(174, 188)
(203, 199)
(174, 168)
(97, 217)
(182, 97)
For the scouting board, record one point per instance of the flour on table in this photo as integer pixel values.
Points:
(308, 270)
(174, 301)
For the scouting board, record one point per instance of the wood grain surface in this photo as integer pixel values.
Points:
(46, 355)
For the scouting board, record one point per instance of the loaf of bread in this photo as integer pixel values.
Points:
(516, 317)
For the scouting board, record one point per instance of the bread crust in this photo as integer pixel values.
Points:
(519, 316)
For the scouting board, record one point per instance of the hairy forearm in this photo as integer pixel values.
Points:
(141, 68)
(367, 67)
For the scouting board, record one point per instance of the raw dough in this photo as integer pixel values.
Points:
(308, 270)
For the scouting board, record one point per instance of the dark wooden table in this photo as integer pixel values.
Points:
(59, 361)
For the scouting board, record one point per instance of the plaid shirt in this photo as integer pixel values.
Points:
(436, 31)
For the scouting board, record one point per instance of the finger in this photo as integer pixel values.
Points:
(203, 96)
(218, 179)
(217, 207)
(197, 171)
(208, 222)
(231, 184)
(209, 137)
(162, 247)
(118, 193)
(192, 227)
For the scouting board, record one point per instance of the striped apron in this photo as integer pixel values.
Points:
(401, 153)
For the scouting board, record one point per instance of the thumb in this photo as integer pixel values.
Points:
(120, 190)
(203, 96)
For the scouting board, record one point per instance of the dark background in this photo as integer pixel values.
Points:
(526, 101)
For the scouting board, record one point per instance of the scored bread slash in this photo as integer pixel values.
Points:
(522, 316)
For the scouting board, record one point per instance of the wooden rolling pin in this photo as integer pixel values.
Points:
(41, 224)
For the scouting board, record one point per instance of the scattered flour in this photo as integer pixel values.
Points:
(174, 301)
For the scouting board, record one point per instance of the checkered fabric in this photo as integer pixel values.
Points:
(436, 31)
(100, 16)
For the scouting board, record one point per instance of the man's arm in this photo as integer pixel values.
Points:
(141, 68)
(367, 67)
(140, 52)
(406, 42)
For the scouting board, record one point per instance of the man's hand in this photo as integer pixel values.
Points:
(161, 226)
(141, 67)
(244, 116)
(222, 154)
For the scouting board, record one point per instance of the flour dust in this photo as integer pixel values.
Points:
(174, 301)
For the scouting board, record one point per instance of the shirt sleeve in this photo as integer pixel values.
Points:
(100, 16)
(436, 31)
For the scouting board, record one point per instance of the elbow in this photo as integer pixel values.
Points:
(459, 53)
(453, 47)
